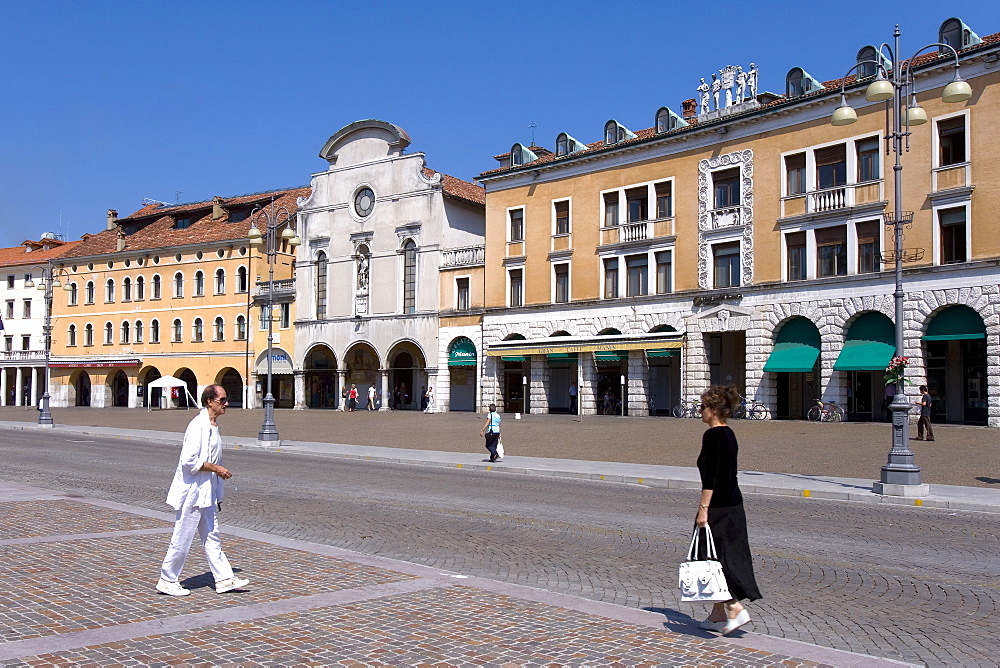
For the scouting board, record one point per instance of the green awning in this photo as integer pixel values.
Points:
(610, 356)
(954, 323)
(663, 352)
(562, 358)
(792, 357)
(462, 352)
(515, 358)
(796, 347)
(862, 355)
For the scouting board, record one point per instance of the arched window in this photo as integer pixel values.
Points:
(321, 286)
(109, 332)
(140, 288)
(409, 276)
(71, 336)
(178, 330)
(126, 328)
(611, 133)
(137, 331)
(562, 144)
(89, 292)
(88, 335)
(867, 69)
(241, 279)
(73, 294)
(220, 281)
(219, 329)
(126, 289)
(154, 331)
(198, 331)
(241, 328)
(665, 121)
(156, 287)
(199, 283)
(109, 294)
(516, 158)
(178, 284)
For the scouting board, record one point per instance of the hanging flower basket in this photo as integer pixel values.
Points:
(896, 369)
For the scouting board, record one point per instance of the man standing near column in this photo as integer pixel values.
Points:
(196, 493)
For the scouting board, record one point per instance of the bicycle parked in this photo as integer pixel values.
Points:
(691, 409)
(826, 412)
(751, 409)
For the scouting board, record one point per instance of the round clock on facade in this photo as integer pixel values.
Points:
(364, 201)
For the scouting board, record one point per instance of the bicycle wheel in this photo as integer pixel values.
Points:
(765, 413)
(836, 414)
(679, 410)
(740, 412)
(814, 414)
(758, 412)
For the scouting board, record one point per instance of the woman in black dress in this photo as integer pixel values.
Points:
(721, 508)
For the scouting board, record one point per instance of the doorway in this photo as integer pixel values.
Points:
(119, 390)
(727, 355)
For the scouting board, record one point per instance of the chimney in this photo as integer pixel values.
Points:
(112, 219)
(217, 210)
(120, 245)
(689, 108)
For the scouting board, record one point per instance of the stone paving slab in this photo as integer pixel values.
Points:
(72, 599)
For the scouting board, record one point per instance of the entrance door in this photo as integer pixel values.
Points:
(956, 379)
(865, 398)
(560, 378)
(727, 359)
(797, 393)
(513, 387)
(119, 390)
(664, 385)
(463, 388)
(608, 390)
(83, 389)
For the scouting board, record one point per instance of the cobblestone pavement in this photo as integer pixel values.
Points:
(968, 456)
(912, 584)
(75, 599)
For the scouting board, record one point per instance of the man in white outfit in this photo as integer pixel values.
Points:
(196, 493)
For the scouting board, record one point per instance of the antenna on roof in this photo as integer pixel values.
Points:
(532, 125)
(177, 195)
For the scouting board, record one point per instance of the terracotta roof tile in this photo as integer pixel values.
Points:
(459, 189)
(19, 256)
(152, 226)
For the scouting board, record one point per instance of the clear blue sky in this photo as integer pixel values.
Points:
(105, 103)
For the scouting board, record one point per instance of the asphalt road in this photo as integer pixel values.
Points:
(914, 584)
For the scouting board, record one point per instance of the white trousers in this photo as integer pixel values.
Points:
(206, 523)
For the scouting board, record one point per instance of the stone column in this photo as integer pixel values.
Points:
(384, 384)
(489, 385)
(299, 377)
(37, 384)
(432, 377)
(19, 387)
(585, 392)
(694, 367)
(638, 384)
(759, 337)
(538, 384)
(341, 379)
(3, 386)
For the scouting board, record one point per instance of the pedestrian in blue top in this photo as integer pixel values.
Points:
(491, 430)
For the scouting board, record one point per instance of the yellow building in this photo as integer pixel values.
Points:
(174, 290)
(742, 240)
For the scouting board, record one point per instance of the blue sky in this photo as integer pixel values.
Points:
(107, 103)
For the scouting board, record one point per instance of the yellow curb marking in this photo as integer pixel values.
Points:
(806, 493)
(640, 481)
(458, 466)
(602, 477)
(918, 502)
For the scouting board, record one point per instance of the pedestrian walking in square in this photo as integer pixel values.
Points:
(721, 508)
(371, 397)
(573, 391)
(429, 400)
(491, 430)
(196, 493)
(352, 398)
(924, 421)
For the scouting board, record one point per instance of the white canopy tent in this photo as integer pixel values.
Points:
(164, 382)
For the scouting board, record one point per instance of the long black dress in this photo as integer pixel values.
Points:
(717, 466)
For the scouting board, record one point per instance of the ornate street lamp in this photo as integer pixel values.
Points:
(893, 82)
(272, 219)
(49, 280)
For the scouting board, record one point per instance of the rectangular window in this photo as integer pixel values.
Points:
(831, 251)
(951, 140)
(88, 336)
(154, 331)
(25, 342)
(10, 309)
(562, 283)
(27, 309)
(831, 167)
(726, 185)
(795, 173)
(868, 160)
(285, 313)
(664, 272)
(610, 209)
(264, 315)
(727, 264)
(516, 287)
(10, 281)
(637, 200)
(8, 344)
(664, 199)
(636, 275)
(462, 294)
(611, 278)
(952, 223)
(562, 217)
(517, 225)
(795, 250)
(867, 247)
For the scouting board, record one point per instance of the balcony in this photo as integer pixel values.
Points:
(463, 257)
(22, 356)
(637, 231)
(829, 200)
(283, 289)
(730, 216)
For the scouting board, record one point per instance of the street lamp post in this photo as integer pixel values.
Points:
(272, 218)
(49, 280)
(894, 84)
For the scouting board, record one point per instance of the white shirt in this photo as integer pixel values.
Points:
(371, 392)
(192, 487)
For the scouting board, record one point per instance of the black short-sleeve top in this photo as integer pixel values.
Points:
(717, 466)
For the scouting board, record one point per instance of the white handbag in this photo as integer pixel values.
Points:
(702, 580)
(500, 447)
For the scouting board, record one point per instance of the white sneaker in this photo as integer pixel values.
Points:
(171, 588)
(222, 586)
